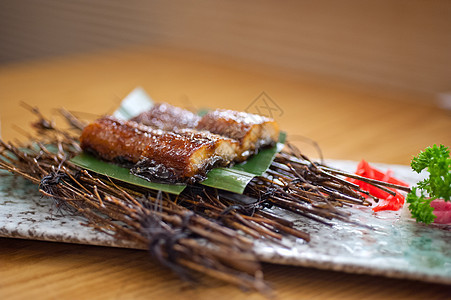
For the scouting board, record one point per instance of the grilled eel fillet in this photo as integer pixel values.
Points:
(167, 117)
(250, 130)
(157, 154)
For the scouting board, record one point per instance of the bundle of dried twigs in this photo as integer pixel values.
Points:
(203, 229)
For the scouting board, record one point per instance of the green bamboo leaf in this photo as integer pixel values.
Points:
(136, 102)
(259, 163)
(234, 179)
(228, 179)
(98, 166)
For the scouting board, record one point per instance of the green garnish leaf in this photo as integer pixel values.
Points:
(234, 179)
(89, 162)
(258, 164)
(420, 207)
(437, 161)
(228, 179)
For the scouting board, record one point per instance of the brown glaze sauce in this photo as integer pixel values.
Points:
(229, 123)
(167, 117)
(116, 140)
(171, 144)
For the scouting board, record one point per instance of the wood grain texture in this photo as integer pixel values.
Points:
(347, 120)
(43, 270)
(403, 44)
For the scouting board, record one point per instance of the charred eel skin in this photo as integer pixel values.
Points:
(251, 131)
(168, 117)
(157, 154)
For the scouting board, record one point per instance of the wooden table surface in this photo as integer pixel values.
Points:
(348, 121)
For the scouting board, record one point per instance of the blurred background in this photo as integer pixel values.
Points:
(399, 44)
(364, 79)
(353, 75)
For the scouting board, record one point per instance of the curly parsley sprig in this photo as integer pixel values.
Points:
(437, 161)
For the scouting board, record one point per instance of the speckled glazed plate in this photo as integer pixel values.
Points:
(395, 246)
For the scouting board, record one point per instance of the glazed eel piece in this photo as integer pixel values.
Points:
(251, 131)
(168, 117)
(156, 154)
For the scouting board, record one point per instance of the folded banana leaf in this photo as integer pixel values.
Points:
(234, 179)
(91, 163)
(258, 164)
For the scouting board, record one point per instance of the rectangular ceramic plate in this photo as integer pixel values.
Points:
(395, 247)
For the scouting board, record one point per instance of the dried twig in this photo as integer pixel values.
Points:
(202, 230)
